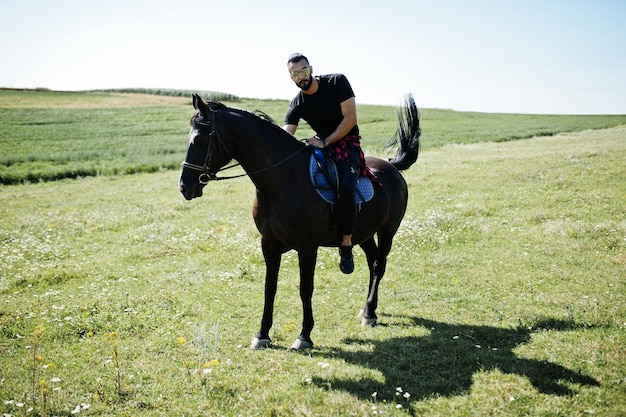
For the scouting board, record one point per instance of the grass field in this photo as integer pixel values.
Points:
(505, 293)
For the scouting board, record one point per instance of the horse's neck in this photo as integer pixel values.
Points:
(261, 149)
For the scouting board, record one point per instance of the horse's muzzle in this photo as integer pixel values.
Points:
(190, 192)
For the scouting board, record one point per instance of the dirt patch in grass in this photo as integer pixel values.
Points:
(81, 100)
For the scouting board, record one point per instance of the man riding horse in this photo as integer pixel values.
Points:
(327, 104)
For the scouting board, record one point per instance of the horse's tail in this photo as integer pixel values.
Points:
(407, 135)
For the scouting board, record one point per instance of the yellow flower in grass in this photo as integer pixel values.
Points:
(110, 337)
(290, 326)
(38, 330)
(212, 363)
(181, 341)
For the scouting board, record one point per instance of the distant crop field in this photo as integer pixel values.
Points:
(47, 135)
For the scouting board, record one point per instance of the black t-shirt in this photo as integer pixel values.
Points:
(322, 110)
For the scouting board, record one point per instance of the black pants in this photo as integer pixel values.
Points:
(348, 172)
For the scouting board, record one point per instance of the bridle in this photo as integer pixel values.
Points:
(215, 141)
(206, 174)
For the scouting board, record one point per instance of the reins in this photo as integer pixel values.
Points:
(206, 173)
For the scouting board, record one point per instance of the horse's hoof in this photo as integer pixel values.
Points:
(260, 343)
(365, 322)
(300, 344)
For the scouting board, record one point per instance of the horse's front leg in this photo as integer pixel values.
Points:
(307, 260)
(272, 254)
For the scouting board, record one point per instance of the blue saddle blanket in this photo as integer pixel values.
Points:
(325, 189)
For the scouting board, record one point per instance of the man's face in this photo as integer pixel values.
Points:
(301, 74)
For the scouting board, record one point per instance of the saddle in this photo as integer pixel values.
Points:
(325, 179)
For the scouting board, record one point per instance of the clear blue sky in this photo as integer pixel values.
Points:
(530, 56)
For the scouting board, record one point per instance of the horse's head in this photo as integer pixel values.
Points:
(205, 153)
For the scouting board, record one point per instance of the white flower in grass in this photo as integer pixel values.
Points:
(80, 407)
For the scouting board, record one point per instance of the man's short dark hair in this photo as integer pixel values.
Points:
(297, 57)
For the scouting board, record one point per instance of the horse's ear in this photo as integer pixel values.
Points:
(197, 100)
(200, 105)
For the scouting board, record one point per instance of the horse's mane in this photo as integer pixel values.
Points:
(261, 115)
(255, 114)
(216, 105)
(264, 116)
(212, 105)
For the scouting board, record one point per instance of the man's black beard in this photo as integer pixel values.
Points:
(308, 84)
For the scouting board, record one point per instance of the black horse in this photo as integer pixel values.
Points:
(287, 210)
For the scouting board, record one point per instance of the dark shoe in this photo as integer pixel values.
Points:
(347, 261)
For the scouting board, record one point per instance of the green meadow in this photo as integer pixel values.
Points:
(505, 292)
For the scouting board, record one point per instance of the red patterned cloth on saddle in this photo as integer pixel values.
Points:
(339, 153)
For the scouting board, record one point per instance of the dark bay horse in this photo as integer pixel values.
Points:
(287, 211)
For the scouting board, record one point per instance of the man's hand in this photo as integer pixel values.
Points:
(316, 141)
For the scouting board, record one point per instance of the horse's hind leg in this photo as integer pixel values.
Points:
(377, 263)
(371, 254)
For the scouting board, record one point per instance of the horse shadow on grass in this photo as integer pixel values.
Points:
(443, 362)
